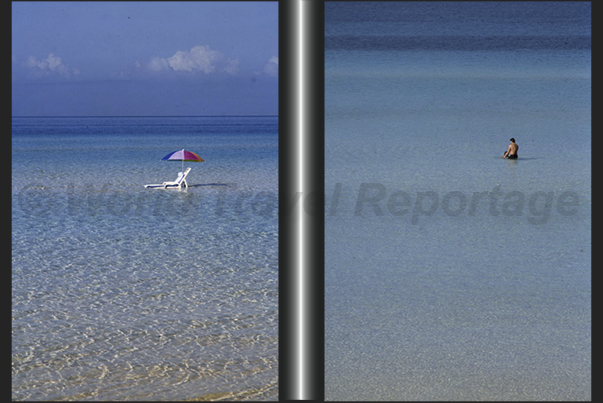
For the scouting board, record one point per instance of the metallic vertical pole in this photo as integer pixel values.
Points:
(301, 200)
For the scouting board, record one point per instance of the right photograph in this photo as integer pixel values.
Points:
(457, 201)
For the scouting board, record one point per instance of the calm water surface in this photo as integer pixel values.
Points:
(121, 292)
(452, 274)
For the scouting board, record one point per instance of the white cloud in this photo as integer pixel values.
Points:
(199, 59)
(271, 68)
(52, 65)
(158, 64)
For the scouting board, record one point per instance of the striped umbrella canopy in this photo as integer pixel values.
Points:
(183, 155)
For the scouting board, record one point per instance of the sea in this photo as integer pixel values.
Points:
(120, 292)
(452, 273)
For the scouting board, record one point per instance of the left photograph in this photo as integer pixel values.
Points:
(145, 201)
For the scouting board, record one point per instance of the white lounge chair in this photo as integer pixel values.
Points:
(179, 182)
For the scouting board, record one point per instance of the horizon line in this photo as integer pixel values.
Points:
(136, 116)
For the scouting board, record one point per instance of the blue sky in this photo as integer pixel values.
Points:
(144, 58)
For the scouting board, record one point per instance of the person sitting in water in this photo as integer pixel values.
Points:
(511, 153)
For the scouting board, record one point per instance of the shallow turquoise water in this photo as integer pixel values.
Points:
(452, 274)
(122, 292)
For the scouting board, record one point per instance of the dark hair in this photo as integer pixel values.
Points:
(512, 139)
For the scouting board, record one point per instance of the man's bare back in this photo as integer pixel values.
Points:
(511, 152)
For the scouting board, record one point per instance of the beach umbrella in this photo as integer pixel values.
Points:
(183, 155)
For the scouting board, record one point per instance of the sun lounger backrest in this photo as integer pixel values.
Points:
(182, 176)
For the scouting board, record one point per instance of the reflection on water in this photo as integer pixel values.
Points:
(126, 293)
